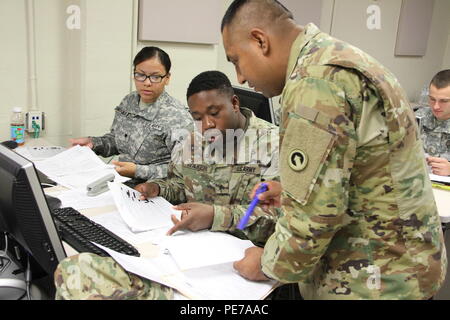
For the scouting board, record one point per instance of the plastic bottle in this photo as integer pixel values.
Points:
(18, 126)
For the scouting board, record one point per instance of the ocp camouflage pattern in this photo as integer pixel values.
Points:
(360, 221)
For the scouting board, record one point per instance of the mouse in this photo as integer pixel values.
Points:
(53, 202)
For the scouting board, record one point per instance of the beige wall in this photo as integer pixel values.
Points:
(83, 74)
(349, 24)
(446, 64)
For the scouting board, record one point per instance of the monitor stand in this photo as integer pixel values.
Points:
(53, 202)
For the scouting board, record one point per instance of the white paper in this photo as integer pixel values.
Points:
(141, 215)
(149, 268)
(79, 200)
(222, 282)
(72, 161)
(79, 181)
(435, 177)
(44, 152)
(114, 222)
(204, 248)
(160, 270)
(219, 282)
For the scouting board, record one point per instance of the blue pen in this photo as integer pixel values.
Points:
(262, 188)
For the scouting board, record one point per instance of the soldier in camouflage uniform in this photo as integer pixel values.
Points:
(435, 124)
(359, 219)
(216, 192)
(141, 130)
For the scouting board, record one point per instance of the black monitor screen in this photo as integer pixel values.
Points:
(259, 104)
(24, 212)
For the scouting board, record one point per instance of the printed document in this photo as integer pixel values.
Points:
(74, 160)
(218, 282)
(204, 248)
(141, 215)
(76, 168)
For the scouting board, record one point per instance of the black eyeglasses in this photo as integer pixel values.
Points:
(154, 78)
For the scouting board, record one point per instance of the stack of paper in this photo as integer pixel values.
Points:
(76, 168)
(202, 267)
(192, 250)
(44, 152)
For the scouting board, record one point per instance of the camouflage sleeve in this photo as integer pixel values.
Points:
(317, 150)
(183, 125)
(260, 225)
(173, 189)
(105, 145)
(154, 170)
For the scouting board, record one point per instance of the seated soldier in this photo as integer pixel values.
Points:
(435, 124)
(217, 188)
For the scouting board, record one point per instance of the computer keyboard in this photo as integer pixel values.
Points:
(78, 231)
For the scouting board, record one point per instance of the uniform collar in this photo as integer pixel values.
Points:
(309, 32)
(429, 121)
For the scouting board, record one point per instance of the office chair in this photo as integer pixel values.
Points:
(259, 104)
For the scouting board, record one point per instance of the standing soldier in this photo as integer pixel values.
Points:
(359, 220)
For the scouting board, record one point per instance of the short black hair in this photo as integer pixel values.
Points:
(210, 80)
(149, 53)
(441, 79)
(234, 7)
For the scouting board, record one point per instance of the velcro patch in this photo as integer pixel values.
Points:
(299, 177)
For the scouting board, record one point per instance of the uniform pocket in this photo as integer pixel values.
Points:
(304, 151)
(243, 179)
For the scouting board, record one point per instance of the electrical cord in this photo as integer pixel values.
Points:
(6, 243)
(4, 260)
(4, 255)
(28, 277)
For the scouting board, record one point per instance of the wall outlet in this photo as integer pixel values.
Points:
(36, 116)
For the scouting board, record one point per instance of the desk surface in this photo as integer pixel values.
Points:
(442, 198)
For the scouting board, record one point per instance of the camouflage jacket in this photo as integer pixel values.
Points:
(144, 135)
(359, 219)
(227, 186)
(435, 134)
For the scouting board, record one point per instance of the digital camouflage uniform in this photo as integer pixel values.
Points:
(87, 276)
(142, 133)
(435, 134)
(359, 218)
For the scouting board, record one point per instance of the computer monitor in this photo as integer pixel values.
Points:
(24, 212)
(259, 104)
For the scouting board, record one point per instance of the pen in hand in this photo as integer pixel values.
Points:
(262, 188)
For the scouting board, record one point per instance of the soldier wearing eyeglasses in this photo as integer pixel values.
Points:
(144, 122)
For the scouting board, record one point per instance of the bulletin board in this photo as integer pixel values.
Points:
(194, 21)
(305, 11)
(414, 27)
